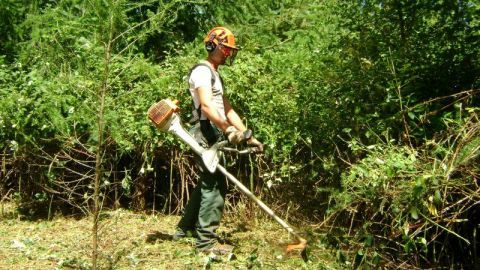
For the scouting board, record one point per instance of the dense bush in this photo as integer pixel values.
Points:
(414, 205)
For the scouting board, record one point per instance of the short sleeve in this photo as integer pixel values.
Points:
(201, 76)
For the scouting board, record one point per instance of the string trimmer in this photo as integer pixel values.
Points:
(164, 116)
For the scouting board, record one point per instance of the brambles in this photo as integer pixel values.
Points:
(413, 205)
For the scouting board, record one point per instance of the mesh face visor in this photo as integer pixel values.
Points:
(232, 56)
(230, 53)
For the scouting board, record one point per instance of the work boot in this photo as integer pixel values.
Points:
(180, 234)
(219, 249)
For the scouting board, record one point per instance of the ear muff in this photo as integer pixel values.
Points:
(210, 45)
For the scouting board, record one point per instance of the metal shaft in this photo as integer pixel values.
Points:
(254, 198)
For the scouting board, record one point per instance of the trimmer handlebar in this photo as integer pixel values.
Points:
(222, 146)
(246, 151)
(247, 134)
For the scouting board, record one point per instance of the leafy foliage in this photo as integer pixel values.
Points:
(409, 198)
(363, 105)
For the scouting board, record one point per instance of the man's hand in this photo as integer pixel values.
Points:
(237, 137)
(258, 146)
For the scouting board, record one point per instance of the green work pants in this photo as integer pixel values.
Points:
(205, 208)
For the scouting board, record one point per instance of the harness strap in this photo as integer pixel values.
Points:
(213, 80)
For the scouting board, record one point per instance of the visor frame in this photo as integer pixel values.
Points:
(233, 51)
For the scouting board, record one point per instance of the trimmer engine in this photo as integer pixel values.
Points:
(160, 112)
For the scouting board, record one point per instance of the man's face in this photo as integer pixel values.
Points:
(227, 52)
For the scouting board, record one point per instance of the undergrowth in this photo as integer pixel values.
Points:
(412, 206)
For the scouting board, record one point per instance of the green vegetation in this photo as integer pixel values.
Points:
(369, 111)
(139, 241)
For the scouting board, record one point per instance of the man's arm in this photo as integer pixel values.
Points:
(235, 120)
(232, 116)
(209, 109)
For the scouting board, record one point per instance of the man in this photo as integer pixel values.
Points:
(216, 119)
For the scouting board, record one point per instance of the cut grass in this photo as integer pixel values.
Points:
(131, 240)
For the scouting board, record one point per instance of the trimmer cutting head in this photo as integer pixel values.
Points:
(300, 247)
(160, 112)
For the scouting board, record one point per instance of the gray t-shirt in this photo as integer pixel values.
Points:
(201, 76)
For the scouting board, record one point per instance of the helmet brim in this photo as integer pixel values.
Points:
(231, 47)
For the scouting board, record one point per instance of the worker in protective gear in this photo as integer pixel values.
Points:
(217, 120)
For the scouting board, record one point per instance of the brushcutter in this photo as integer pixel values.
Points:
(163, 115)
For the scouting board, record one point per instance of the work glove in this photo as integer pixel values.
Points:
(236, 136)
(256, 145)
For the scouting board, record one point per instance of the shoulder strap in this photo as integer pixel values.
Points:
(205, 65)
(198, 110)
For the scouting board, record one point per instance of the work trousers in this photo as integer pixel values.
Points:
(204, 210)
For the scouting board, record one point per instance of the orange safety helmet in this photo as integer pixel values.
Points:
(224, 37)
